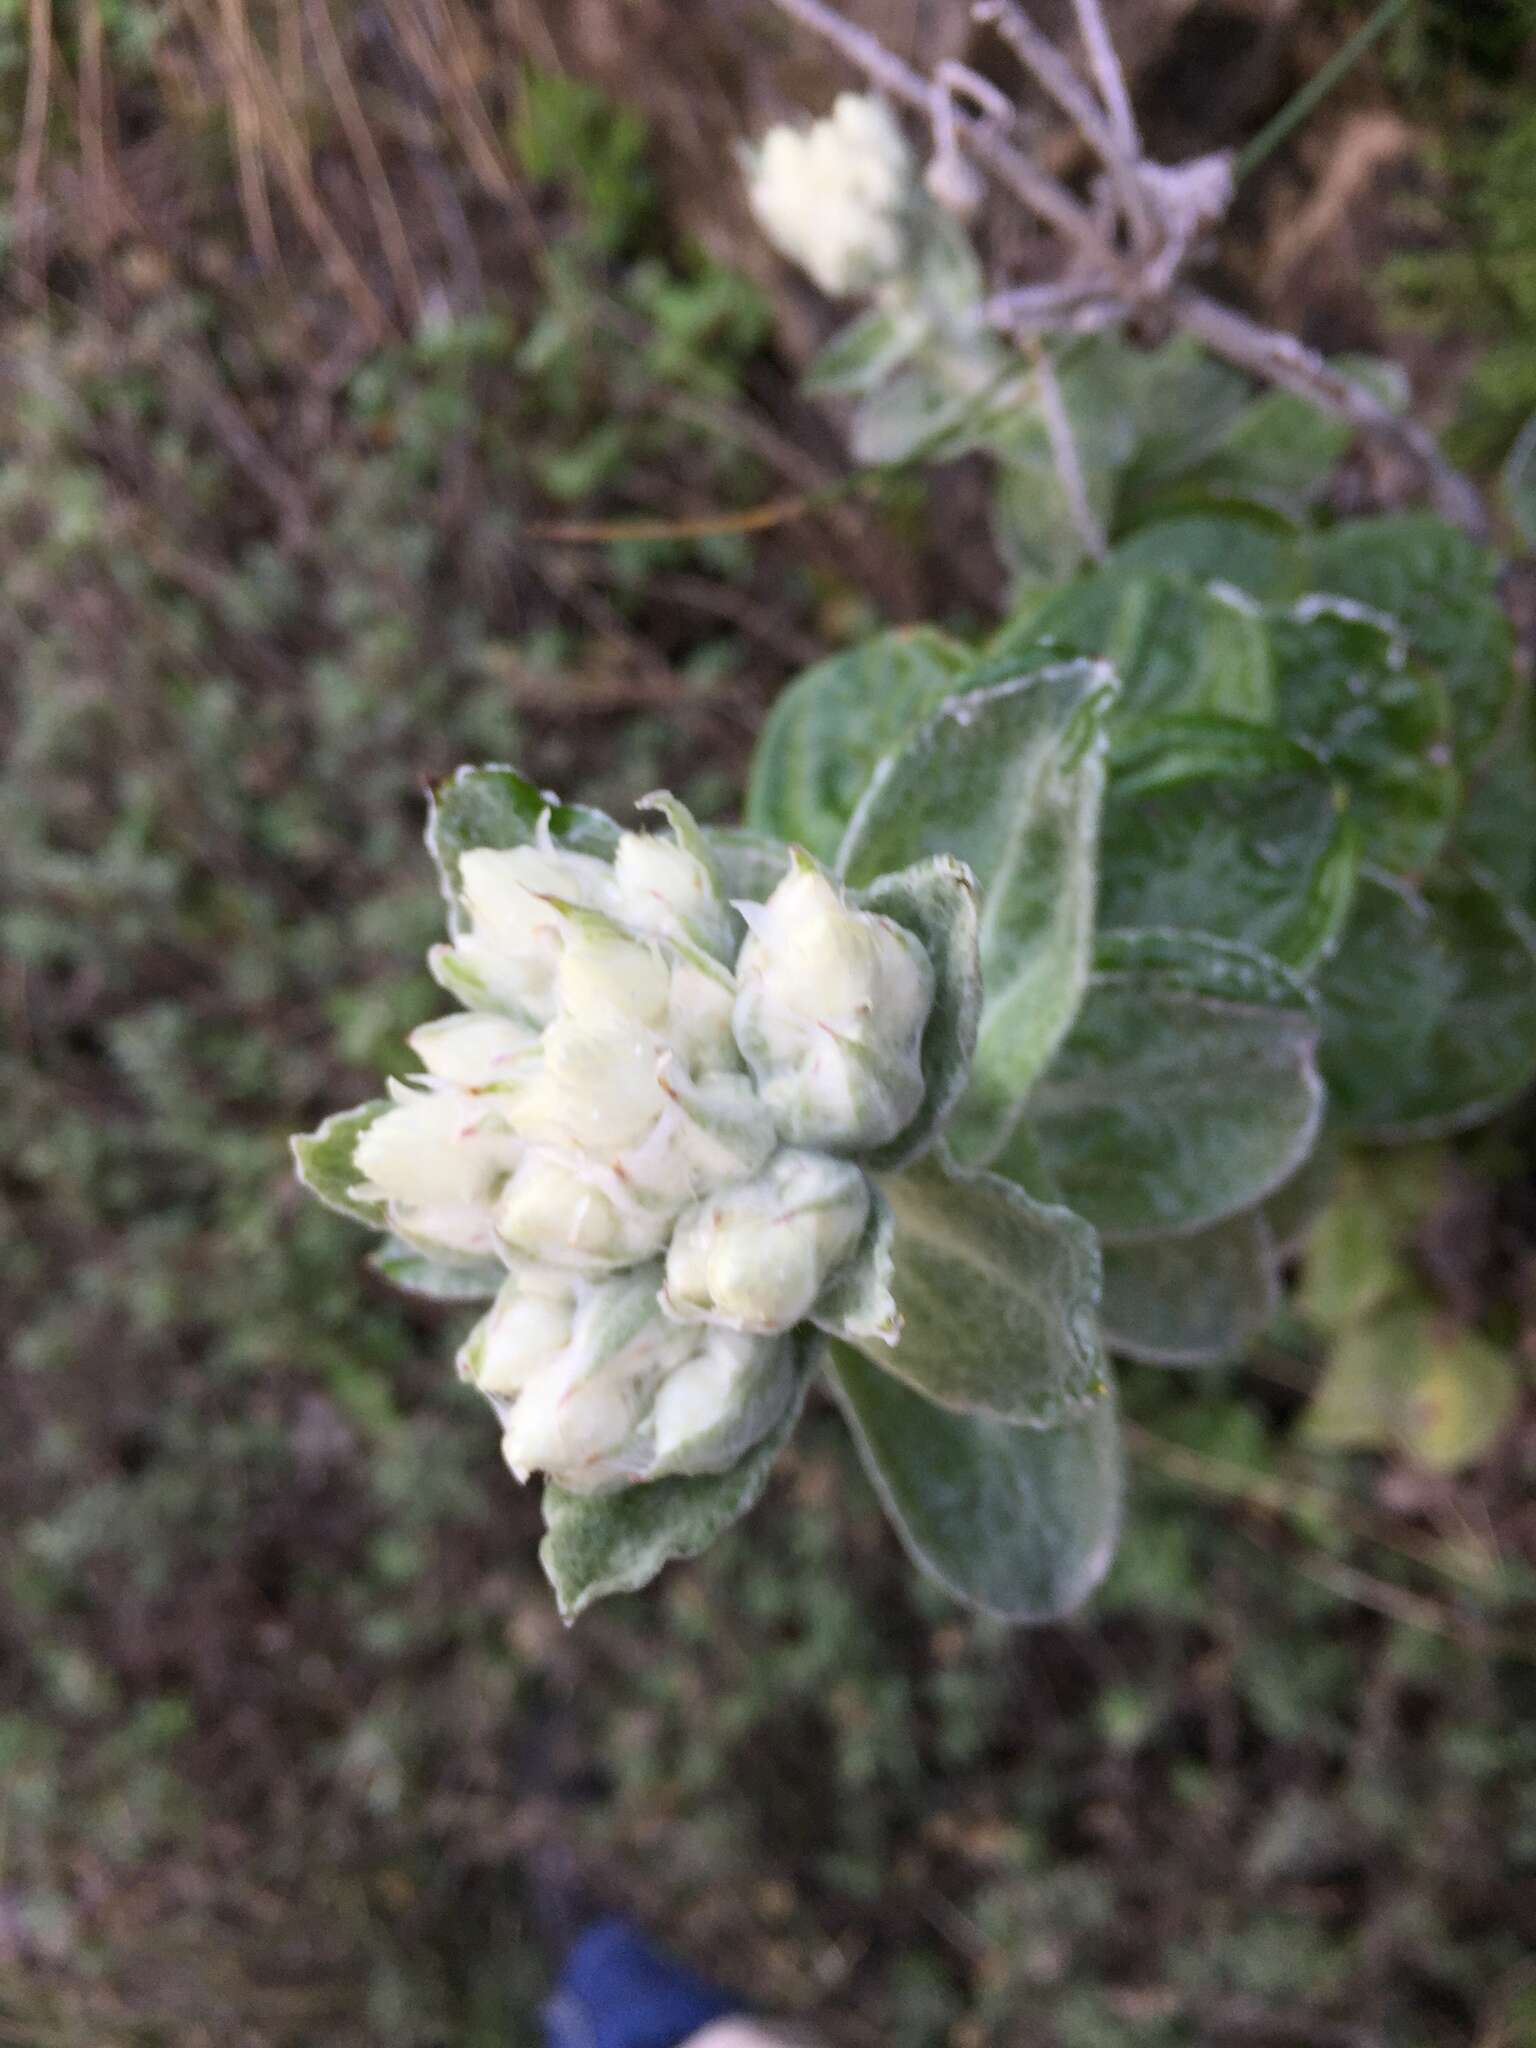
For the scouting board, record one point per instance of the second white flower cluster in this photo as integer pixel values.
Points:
(652, 1122)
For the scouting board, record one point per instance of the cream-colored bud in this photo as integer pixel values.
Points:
(833, 196)
(476, 1050)
(516, 900)
(719, 1401)
(755, 1257)
(668, 891)
(596, 1091)
(580, 1416)
(830, 1014)
(439, 1146)
(529, 1324)
(577, 1215)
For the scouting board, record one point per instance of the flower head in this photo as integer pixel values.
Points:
(833, 196)
(651, 1127)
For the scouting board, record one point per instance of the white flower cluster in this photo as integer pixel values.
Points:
(653, 1129)
(833, 197)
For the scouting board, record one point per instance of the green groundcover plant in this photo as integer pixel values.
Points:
(1022, 1022)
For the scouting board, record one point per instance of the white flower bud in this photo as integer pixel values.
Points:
(476, 1050)
(581, 1414)
(715, 1405)
(832, 197)
(514, 897)
(529, 1324)
(438, 1160)
(575, 1214)
(755, 1257)
(665, 889)
(830, 1013)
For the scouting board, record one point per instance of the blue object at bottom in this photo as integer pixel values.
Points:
(615, 1991)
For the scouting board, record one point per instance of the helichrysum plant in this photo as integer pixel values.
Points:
(1025, 1019)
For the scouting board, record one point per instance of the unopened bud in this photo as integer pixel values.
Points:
(830, 1013)
(755, 1257)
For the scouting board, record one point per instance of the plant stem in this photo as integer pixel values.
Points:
(1316, 89)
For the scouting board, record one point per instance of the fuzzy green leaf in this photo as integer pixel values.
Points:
(936, 901)
(997, 1295)
(1187, 1089)
(1192, 1301)
(499, 808)
(618, 1542)
(1347, 690)
(864, 353)
(1020, 1523)
(436, 1279)
(1441, 587)
(1429, 1007)
(857, 1301)
(323, 1159)
(832, 725)
(1215, 826)
(749, 866)
(1180, 649)
(1010, 780)
(1242, 546)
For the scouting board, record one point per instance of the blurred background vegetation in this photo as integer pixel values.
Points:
(331, 329)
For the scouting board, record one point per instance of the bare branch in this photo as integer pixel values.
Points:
(1108, 77)
(1281, 359)
(1045, 63)
(1044, 197)
(1079, 306)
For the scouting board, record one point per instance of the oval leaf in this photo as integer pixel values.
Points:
(1187, 1089)
(1020, 1523)
(1429, 1008)
(1180, 648)
(1215, 826)
(997, 1294)
(1196, 1300)
(827, 731)
(1009, 779)
(1441, 588)
(1347, 691)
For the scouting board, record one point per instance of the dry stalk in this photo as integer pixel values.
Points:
(1126, 263)
(34, 145)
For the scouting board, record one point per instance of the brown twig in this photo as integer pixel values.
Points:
(34, 142)
(381, 199)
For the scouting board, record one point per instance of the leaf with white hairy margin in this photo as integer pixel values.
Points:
(324, 1162)
(496, 807)
(435, 1279)
(1188, 1089)
(936, 901)
(1200, 1300)
(595, 1546)
(1429, 1006)
(998, 1297)
(1019, 1523)
(857, 1301)
(1009, 779)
